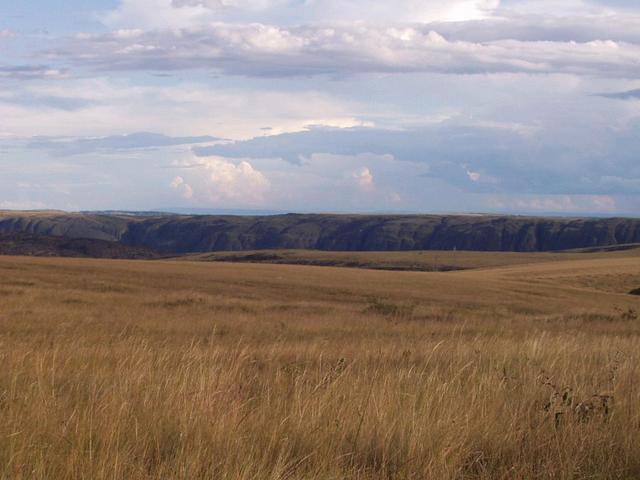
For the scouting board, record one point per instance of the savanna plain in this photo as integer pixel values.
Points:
(515, 367)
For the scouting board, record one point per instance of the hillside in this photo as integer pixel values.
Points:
(178, 234)
(52, 246)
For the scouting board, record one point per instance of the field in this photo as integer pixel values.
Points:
(418, 261)
(206, 370)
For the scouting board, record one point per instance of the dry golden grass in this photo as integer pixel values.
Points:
(162, 370)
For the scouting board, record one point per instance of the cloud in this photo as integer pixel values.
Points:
(237, 183)
(624, 4)
(180, 14)
(188, 13)
(217, 181)
(471, 158)
(30, 72)
(605, 46)
(407, 145)
(153, 14)
(398, 11)
(7, 34)
(628, 95)
(474, 176)
(480, 177)
(567, 204)
(67, 102)
(363, 178)
(544, 27)
(114, 143)
(326, 182)
(101, 107)
(184, 189)
(233, 6)
(331, 104)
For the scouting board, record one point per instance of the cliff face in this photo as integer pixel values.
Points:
(186, 234)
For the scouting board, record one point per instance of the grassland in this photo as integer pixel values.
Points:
(418, 261)
(195, 370)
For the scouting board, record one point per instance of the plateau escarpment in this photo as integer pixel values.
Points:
(178, 234)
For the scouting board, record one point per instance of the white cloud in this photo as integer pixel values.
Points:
(363, 178)
(480, 177)
(7, 34)
(320, 183)
(216, 181)
(474, 176)
(472, 158)
(342, 182)
(270, 50)
(180, 14)
(153, 14)
(184, 189)
(237, 183)
(107, 107)
(528, 124)
(30, 72)
(222, 5)
(289, 37)
(399, 10)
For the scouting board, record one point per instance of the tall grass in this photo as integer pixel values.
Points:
(98, 383)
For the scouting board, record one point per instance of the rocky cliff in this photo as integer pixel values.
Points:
(176, 234)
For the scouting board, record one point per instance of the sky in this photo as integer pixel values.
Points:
(513, 106)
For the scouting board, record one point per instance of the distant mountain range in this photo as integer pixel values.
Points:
(148, 235)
